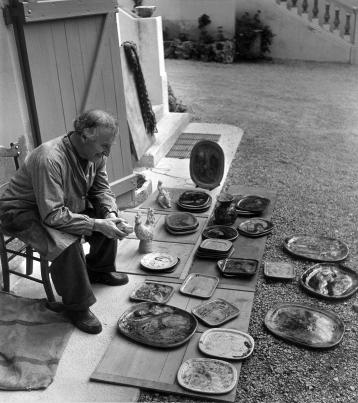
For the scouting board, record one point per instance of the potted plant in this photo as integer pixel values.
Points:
(253, 37)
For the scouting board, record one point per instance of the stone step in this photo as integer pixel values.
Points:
(169, 128)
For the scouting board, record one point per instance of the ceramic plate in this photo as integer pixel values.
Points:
(181, 221)
(228, 344)
(216, 312)
(255, 227)
(152, 292)
(194, 199)
(220, 232)
(215, 245)
(253, 203)
(207, 163)
(244, 213)
(330, 281)
(199, 285)
(213, 255)
(191, 231)
(318, 248)
(305, 325)
(157, 325)
(279, 270)
(238, 267)
(207, 375)
(158, 261)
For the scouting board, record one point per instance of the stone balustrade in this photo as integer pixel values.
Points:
(331, 15)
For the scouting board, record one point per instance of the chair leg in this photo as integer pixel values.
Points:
(4, 265)
(46, 280)
(29, 260)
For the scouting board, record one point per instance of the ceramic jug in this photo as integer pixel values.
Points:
(225, 211)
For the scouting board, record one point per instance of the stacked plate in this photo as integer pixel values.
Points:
(194, 201)
(214, 248)
(220, 232)
(251, 205)
(255, 227)
(181, 223)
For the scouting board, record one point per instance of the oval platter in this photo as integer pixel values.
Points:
(229, 344)
(330, 281)
(207, 163)
(182, 221)
(207, 375)
(253, 203)
(317, 248)
(157, 325)
(305, 325)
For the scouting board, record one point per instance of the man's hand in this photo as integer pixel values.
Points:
(108, 227)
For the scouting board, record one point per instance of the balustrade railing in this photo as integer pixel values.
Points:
(330, 15)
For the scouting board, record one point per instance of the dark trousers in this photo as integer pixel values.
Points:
(69, 271)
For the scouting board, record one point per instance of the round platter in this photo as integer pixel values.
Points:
(157, 325)
(226, 344)
(220, 232)
(305, 325)
(330, 281)
(159, 261)
(207, 375)
(207, 163)
(317, 248)
(194, 199)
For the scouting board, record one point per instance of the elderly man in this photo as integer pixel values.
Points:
(60, 194)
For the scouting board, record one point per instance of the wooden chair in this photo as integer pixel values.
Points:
(11, 246)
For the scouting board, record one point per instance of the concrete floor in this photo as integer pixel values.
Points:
(84, 351)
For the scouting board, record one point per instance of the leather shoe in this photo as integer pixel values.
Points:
(111, 278)
(85, 321)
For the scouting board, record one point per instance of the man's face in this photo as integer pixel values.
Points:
(94, 149)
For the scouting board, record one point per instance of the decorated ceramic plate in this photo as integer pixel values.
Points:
(227, 344)
(215, 245)
(152, 292)
(330, 280)
(220, 232)
(157, 325)
(181, 221)
(216, 312)
(255, 227)
(187, 232)
(207, 375)
(238, 267)
(279, 270)
(199, 285)
(318, 248)
(207, 162)
(253, 203)
(305, 325)
(158, 261)
(194, 199)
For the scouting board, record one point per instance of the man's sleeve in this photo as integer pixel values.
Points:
(48, 187)
(100, 194)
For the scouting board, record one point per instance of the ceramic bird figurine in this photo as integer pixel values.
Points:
(163, 198)
(144, 232)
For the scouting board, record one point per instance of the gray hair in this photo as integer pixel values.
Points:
(95, 118)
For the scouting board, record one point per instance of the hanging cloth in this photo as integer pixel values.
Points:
(130, 50)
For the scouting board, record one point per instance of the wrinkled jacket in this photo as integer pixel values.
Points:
(44, 202)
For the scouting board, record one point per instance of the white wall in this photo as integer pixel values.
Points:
(295, 38)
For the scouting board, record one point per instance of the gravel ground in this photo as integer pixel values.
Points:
(300, 124)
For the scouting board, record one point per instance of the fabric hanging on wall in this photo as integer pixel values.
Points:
(148, 115)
